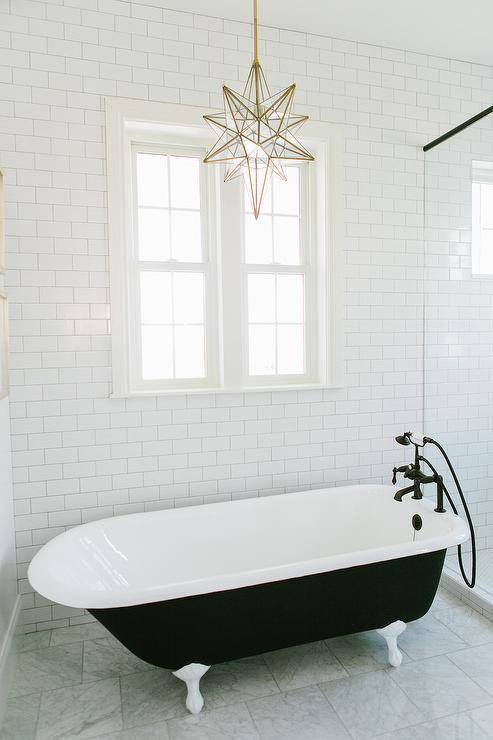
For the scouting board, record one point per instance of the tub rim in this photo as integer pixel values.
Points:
(43, 582)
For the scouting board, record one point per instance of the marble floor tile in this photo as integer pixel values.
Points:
(362, 652)
(428, 637)
(484, 718)
(80, 712)
(32, 641)
(77, 633)
(304, 665)
(477, 662)
(456, 727)
(467, 624)
(157, 731)
(229, 723)
(107, 657)
(237, 681)
(302, 714)
(445, 600)
(47, 668)
(152, 696)
(21, 716)
(439, 688)
(370, 704)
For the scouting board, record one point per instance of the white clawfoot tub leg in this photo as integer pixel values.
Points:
(390, 633)
(191, 674)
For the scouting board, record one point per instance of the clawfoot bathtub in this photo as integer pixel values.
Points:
(187, 588)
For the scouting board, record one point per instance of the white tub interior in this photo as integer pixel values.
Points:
(155, 556)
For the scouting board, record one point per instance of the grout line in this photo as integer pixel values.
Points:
(38, 715)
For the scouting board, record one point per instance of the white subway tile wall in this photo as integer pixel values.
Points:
(80, 455)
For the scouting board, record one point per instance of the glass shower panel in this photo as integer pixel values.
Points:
(458, 323)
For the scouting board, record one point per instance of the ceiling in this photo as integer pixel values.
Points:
(458, 29)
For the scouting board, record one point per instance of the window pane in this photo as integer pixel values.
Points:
(186, 236)
(266, 200)
(157, 352)
(262, 350)
(286, 240)
(290, 299)
(185, 182)
(153, 234)
(287, 194)
(258, 239)
(188, 298)
(261, 299)
(487, 205)
(189, 352)
(152, 179)
(290, 349)
(486, 252)
(155, 297)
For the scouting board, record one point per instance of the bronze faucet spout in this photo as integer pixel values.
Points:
(400, 494)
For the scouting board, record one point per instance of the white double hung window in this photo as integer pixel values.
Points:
(205, 297)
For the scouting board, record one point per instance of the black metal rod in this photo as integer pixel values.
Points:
(458, 129)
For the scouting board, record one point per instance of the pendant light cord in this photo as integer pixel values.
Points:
(255, 32)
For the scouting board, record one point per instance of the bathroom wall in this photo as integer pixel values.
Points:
(80, 455)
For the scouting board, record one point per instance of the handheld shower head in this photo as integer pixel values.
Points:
(411, 438)
(403, 439)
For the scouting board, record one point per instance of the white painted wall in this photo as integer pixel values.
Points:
(78, 454)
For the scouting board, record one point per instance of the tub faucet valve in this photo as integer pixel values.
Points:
(401, 469)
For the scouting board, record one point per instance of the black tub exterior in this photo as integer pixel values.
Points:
(227, 625)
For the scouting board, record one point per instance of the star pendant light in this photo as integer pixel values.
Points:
(256, 131)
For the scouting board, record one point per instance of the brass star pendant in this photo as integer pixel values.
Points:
(256, 134)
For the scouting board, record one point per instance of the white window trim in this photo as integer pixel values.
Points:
(326, 142)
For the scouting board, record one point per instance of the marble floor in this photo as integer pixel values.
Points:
(78, 682)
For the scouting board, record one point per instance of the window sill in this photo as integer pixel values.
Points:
(225, 391)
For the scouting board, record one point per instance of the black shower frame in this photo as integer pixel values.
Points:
(458, 129)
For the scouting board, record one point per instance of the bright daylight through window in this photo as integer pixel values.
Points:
(275, 265)
(170, 256)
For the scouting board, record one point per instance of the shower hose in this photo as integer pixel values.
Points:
(472, 581)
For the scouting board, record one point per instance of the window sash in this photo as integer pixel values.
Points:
(306, 268)
(205, 267)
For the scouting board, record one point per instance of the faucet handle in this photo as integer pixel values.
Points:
(400, 469)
